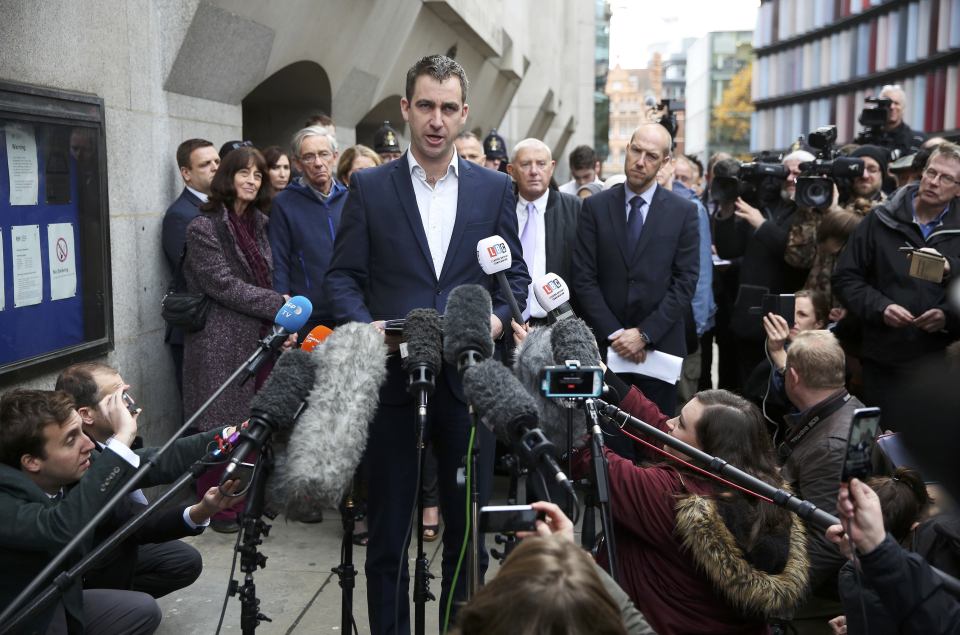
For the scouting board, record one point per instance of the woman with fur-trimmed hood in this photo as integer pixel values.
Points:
(695, 555)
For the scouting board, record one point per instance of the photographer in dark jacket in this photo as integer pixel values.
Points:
(905, 318)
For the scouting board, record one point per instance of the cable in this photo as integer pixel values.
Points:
(233, 569)
(466, 536)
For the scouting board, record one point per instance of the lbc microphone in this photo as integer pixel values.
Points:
(324, 449)
(275, 408)
(421, 330)
(504, 406)
(494, 256)
(553, 295)
(289, 319)
(466, 338)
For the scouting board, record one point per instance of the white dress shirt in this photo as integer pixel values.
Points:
(537, 262)
(437, 205)
(203, 197)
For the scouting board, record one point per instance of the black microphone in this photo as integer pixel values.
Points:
(276, 407)
(506, 408)
(573, 340)
(466, 327)
(421, 330)
(317, 463)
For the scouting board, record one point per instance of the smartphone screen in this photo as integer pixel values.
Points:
(864, 427)
(507, 519)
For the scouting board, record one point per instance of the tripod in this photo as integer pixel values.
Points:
(345, 570)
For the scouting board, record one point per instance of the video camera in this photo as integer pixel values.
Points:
(873, 119)
(667, 116)
(817, 177)
(759, 181)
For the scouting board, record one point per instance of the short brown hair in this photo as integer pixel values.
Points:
(440, 68)
(78, 381)
(547, 585)
(903, 499)
(23, 416)
(820, 302)
(185, 149)
(348, 156)
(818, 359)
(837, 224)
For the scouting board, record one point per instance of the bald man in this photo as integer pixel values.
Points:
(636, 263)
(547, 219)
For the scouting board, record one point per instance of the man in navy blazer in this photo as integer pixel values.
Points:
(635, 265)
(407, 237)
(198, 161)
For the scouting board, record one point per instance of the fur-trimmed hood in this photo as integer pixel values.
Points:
(715, 552)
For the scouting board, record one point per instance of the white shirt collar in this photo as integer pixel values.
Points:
(203, 197)
(540, 203)
(413, 164)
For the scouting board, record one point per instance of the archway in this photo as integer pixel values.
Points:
(387, 110)
(279, 105)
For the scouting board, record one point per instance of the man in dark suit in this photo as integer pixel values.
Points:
(547, 219)
(636, 263)
(407, 237)
(52, 484)
(198, 162)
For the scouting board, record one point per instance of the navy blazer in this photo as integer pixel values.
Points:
(174, 237)
(653, 289)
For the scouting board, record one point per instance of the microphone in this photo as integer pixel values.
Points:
(494, 256)
(422, 351)
(467, 338)
(314, 337)
(573, 340)
(289, 319)
(277, 405)
(506, 408)
(318, 461)
(554, 296)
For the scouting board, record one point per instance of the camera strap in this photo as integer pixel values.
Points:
(816, 414)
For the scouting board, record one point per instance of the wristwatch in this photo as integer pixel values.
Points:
(645, 337)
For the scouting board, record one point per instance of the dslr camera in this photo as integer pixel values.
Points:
(817, 177)
(759, 181)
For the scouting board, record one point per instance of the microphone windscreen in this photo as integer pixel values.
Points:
(573, 340)
(421, 330)
(326, 445)
(294, 314)
(534, 353)
(466, 323)
(499, 399)
(314, 337)
(282, 396)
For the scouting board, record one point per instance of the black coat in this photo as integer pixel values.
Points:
(174, 237)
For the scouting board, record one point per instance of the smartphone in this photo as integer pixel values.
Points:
(131, 405)
(782, 304)
(864, 428)
(507, 519)
(243, 473)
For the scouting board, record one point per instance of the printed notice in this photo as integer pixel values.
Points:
(22, 164)
(27, 268)
(63, 269)
(3, 300)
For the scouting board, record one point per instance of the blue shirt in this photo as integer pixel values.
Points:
(927, 228)
(703, 304)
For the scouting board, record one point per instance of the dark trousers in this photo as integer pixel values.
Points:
(431, 493)
(392, 475)
(112, 612)
(166, 567)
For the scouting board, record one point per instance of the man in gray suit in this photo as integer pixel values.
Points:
(546, 218)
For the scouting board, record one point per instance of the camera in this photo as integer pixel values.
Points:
(817, 177)
(572, 381)
(873, 119)
(760, 181)
(663, 113)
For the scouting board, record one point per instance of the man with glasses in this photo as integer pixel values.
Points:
(902, 138)
(903, 307)
(304, 221)
(636, 264)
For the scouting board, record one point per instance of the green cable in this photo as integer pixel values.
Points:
(466, 537)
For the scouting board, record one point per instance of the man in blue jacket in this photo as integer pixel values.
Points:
(304, 221)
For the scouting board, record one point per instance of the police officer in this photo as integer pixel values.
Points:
(495, 151)
(386, 142)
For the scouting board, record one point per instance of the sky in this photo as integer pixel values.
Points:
(636, 25)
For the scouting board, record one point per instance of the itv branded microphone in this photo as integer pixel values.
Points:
(553, 295)
(494, 256)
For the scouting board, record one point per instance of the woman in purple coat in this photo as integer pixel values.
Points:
(228, 258)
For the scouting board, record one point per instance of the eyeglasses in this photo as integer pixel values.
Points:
(946, 179)
(311, 157)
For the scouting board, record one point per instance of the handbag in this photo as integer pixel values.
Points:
(181, 309)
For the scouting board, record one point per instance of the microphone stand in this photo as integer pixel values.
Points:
(601, 484)
(468, 358)
(716, 465)
(421, 384)
(252, 528)
(65, 579)
(346, 571)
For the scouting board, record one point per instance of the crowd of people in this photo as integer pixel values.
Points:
(658, 264)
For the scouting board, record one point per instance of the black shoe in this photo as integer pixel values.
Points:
(225, 525)
(311, 517)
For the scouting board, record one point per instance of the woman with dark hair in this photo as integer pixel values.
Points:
(278, 170)
(228, 259)
(695, 555)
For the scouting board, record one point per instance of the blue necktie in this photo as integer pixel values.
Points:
(634, 223)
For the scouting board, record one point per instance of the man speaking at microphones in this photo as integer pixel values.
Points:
(407, 238)
(547, 220)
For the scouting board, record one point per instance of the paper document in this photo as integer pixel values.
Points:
(22, 167)
(3, 300)
(63, 268)
(662, 366)
(27, 268)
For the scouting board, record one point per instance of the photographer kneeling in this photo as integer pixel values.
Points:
(695, 555)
